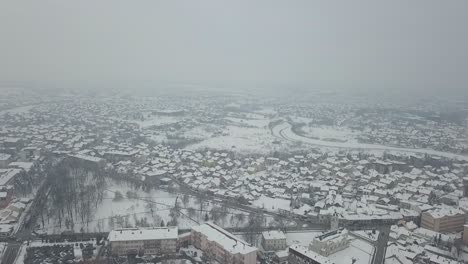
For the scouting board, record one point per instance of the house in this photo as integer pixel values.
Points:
(223, 246)
(273, 240)
(281, 257)
(5, 230)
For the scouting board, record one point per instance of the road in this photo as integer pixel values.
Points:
(10, 253)
(284, 131)
(381, 245)
(24, 232)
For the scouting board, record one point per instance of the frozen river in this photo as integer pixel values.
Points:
(284, 131)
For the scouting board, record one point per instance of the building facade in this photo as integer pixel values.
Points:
(222, 246)
(330, 242)
(465, 186)
(465, 234)
(273, 241)
(443, 220)
(148, 241)
(301, 255)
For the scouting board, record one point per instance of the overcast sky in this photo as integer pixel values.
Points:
(418, 45)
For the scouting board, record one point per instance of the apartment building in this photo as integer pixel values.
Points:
(330, 242)
(273, 240)
(301, 255)
(148, 241)
(444, 219)
(222, 246)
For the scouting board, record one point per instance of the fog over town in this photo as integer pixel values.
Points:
(237, 132)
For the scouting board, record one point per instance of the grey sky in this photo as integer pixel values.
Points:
(418, 45)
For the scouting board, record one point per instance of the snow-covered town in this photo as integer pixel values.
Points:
(236, 180)
(234, 132)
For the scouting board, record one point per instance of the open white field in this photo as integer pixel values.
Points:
(329, 133)
(242, 139)
(150, 208)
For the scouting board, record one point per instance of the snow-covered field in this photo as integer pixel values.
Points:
(243, 139)
(272, 204)
(301, 119)
(128, 211)
(260, 123)
(284, 131)
(329, 133)
(157, 121)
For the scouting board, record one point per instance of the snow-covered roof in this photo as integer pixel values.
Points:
(310, 254)
(22, 165)
(4, 156)
(225, 239)
(5, 228)
(445, 211)
(273, 234)
(7, 174)
(136, 234)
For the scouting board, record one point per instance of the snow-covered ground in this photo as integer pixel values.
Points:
(272, 204)
(284, 131)
(17, 110)
(112, 214)
(368, 234)
(301, 119)
(260, 123)
(157, 121)
(329, 133)
(242, 139)
(358, 249)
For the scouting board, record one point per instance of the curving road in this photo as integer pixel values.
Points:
(284, 131)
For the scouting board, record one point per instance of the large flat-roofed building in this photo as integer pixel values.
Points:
(149, 241)
(330, 242)
(222, 246)
(301, 255)
(273, 240)
(444, 220)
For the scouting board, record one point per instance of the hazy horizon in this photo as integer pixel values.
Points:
(360, 46)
